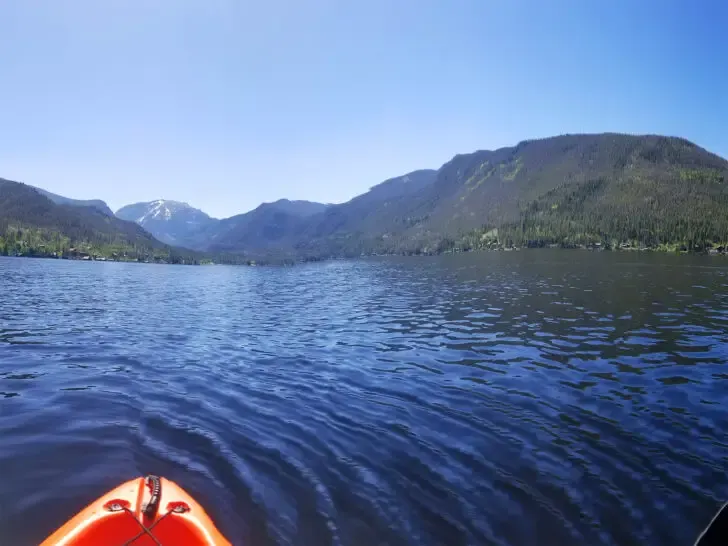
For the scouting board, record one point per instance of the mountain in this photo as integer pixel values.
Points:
(301, 209)
(292, 229)
(572, 190)
(596, 190)
(408, 184)
(611, 189)
(172, 222)
(577, 189)
(182, 225)
(32, 224)
(368, 212)
(269, 225)
(60, 200)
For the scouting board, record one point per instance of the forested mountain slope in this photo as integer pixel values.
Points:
(172, 222)
(601, 190)
(270, 225)
(571, 189)
(32, 224)
(61, 200)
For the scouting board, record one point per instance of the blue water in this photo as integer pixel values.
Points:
(534, 397)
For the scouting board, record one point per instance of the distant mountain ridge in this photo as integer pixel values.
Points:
(31, 223)
(179, 224)
(266, 226)
(60, 200)
(297, 208)
(571, 190)
(604, 189)
(172, 222)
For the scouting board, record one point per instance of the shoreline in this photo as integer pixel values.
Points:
(292, 261)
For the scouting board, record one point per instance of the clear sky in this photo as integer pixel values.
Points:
(229, 103)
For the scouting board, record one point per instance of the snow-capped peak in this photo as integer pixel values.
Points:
(161, 209)
(172, 222)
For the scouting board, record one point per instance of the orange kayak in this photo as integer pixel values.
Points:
(142, 512)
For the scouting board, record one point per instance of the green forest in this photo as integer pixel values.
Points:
(633, 214)
(604, 191)
(40, 243)
(607, 191)
(32, 225)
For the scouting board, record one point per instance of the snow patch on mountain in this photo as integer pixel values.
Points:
(163, 210)
(172, 222)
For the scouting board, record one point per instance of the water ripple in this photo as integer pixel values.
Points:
(477, 399)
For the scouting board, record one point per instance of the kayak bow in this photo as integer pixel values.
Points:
(147, 511)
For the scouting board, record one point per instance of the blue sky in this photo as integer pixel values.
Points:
(229, 103)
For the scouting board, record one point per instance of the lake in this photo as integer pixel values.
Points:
(533, 397)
